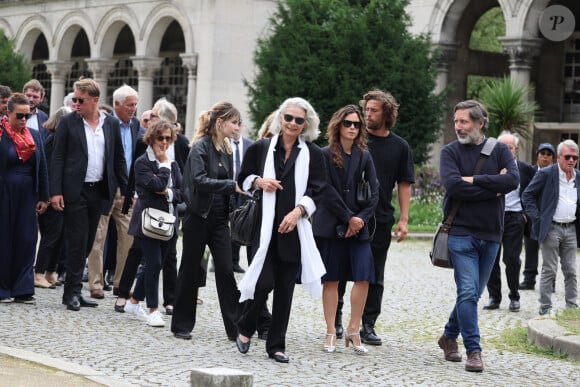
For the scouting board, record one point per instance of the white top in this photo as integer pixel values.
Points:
(96, 150)
(568, 196)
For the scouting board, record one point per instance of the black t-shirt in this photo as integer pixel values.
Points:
(393, 163)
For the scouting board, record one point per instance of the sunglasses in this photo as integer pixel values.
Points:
(568, 157)
(164, 138)
(152, 116)
(348, 124)
(20, 116)
(78, 100)
(290, 117)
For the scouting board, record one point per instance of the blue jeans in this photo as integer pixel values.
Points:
(472, 263)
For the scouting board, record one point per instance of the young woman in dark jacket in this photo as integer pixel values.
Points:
(208, 186)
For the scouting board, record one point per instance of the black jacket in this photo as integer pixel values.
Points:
(200, 176)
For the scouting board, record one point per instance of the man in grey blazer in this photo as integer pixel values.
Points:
(88, 164)
(551, 201)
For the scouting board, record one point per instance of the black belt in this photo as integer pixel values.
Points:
(513, 212)
(563, 224)
(92, 184)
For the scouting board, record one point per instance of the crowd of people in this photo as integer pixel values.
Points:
(88, 177)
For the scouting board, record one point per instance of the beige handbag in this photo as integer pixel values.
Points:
(157, 224)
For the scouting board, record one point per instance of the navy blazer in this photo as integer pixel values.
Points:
(70, 158)
(540, 200)
(40, 170)
(149, 179)
(527, 173)
(41, 117)
(339, 201)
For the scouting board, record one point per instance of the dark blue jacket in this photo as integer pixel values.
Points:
(481, 214)
(339, 201)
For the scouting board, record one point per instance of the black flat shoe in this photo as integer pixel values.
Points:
(182, 335)
(119, 308)
(85, 303)
(280, 358)
(491, 305)
(242, 347)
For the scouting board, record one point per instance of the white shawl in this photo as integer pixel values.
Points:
(312, 265)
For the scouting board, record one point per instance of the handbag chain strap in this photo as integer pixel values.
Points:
(485, 152)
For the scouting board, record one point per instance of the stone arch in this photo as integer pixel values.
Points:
(66, 32)
(109, 27)
(28, 32)
(530, 14)
(7, 28)
(158, 20)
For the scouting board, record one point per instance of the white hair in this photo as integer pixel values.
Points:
(121, 94)
(311, 131)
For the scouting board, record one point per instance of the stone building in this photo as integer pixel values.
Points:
(198, 52)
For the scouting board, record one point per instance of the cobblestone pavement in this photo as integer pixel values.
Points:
(418, 298)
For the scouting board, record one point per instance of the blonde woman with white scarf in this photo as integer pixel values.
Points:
(289, 170)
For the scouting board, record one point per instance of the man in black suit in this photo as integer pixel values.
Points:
(125, 100)
(514, 225)
(88, 164)
(34, 91)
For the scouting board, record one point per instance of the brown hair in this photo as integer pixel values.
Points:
(17, 99)
(157, 129)
(89, 86)
(53, 120)
(207, 124)
(389, 104)
(35, 85)
(333, 133)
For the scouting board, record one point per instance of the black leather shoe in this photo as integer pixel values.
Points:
(182, 335)
(339, 331)
(369, 336)
(491, 304)
(514, 306)
(74, 304)
(120, 308)
(527, 286)
(86, 303)
(107, 287)
(238, 268)
(280, 358)
(242, 347)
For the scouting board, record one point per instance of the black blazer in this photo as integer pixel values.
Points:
(70, 158)
(200, 176)
(149, 179)
(339, 203)
(527, 173)
(253, 164)
(40, 170)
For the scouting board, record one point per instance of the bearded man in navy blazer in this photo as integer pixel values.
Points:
(551, 201)
(88, 164)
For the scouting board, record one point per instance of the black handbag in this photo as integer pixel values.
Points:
(244, 221)
(363, 188)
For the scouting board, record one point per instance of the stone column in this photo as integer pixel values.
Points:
(58, 71)
(101, 68)
(521, 52)
(190, 63)
(146, 67)
(448, 55)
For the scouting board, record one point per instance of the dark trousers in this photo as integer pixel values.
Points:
(531, 264)
(110, 248)
(236, 254)
(170, 271)
(512, 247)
(278, 276)
(379, 247)
(198, 232)
(134, 257)
(81, 219)
(147, 286)
(50, 225)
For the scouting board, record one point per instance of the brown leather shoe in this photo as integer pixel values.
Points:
(97, 293)
(474, 362)
(450, 349)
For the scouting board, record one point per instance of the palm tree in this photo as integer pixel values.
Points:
(509, 107)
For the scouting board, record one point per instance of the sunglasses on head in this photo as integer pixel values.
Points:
(568, 157)
(348, 124)
(289, 117)
(78, 100)
(20, 116)
(164, 138)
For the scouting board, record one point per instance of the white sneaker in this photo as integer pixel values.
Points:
(136, 310)
(155, 319)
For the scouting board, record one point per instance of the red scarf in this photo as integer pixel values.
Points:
(23, 142)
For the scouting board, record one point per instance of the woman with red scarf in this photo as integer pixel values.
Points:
(23, 193)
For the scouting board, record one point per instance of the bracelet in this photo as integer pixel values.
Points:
(255, 183)
(302, 209)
